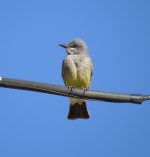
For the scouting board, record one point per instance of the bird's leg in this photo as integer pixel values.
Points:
(70, 88)
(85, 89)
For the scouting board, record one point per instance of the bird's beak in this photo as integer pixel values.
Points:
(63, 45)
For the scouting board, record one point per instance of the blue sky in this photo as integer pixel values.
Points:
(118, 36)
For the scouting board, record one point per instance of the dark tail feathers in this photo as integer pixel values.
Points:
(78, 111)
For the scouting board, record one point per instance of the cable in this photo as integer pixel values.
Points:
(72, 92)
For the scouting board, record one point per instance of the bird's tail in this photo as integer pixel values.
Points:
(78, 109)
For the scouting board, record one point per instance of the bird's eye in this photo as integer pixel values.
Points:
(74, 46)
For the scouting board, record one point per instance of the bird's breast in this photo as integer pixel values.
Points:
(69, 71)
(77, 72)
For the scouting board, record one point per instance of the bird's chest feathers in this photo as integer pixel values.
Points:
(76, 72)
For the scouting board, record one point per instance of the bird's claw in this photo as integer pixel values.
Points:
(84, 89)
(70, 88)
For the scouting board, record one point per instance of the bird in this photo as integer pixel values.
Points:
(77, 72)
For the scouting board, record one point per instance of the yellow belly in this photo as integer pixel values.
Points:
(77, 71)
(78, 77)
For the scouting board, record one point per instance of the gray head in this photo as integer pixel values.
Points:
(76, 46)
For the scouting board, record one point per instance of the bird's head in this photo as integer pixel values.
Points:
(76, 46)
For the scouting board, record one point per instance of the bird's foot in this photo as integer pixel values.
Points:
(84, 89)
(70, 88)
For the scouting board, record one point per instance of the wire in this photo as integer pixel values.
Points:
(72, 92)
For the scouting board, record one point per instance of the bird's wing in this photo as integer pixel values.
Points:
(62, 74)
(91, 66)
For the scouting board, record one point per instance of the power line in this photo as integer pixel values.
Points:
(72, 92)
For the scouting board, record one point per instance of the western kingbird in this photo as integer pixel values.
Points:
(77, 72)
